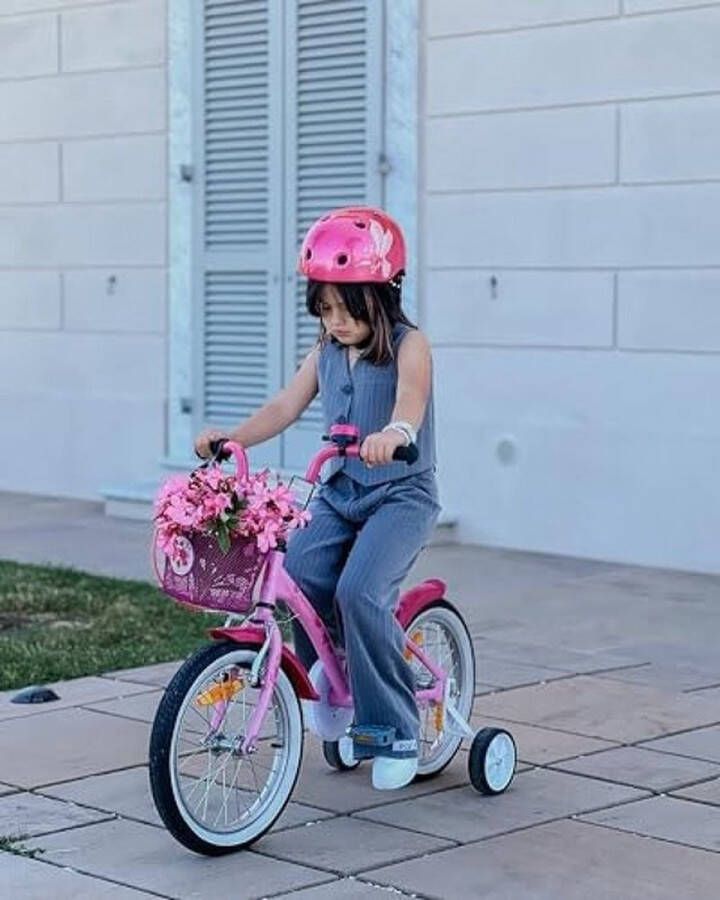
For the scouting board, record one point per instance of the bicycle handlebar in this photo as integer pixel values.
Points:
(224, 449)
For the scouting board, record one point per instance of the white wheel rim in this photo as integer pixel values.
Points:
(499, 763)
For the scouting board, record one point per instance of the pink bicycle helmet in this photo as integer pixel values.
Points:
(353, 244)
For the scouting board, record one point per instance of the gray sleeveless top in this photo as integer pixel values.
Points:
(364, 395)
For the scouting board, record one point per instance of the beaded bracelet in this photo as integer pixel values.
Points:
(405, 428)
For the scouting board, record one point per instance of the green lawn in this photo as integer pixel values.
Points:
(58, 623)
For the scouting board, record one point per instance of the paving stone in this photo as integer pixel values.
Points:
(641, 768)
(701, 743)
(568, 860)
(30, 815)
(685, 660)
(344, 887)
(710, 693)
(600, 708)
(464, 815)
(148, 858)
(348, 845)
(159, 674)
(504, 673)
(707, 792)
(76, 692)
(31, 879)
(683, 821)
(675, 677)
(41, 750)
(139, 706)
(342, 792)
(127, 793)
(547, 656)
(540, 746)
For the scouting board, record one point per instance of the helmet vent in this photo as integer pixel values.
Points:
(360, 224)
(342, 259)
(308, 253)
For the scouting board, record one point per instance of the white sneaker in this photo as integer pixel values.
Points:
(389, 773)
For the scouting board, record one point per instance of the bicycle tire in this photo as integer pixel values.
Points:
(164, 780)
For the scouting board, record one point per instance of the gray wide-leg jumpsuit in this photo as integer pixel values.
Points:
(368, 527)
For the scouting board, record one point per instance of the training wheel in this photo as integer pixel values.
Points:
(492, 760)
(339, 754)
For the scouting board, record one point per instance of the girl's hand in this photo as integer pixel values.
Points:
(377, 449)
(204, 439)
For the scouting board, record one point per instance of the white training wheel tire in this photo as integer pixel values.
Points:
(492, 760)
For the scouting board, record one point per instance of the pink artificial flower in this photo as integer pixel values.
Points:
(199, 502)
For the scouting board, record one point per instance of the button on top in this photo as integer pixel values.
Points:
(347, 389)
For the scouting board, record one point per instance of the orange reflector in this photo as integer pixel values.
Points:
(220, 692)
(417, 639)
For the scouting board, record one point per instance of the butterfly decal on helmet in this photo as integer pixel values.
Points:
(382, 242)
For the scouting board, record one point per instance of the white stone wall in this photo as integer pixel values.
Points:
(83, 260)
(571, 273)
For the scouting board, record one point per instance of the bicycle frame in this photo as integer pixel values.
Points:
(277, 584)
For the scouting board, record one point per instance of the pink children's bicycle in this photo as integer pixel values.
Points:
(227, 740)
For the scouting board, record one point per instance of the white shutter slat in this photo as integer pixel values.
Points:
(334, 89)
(236, 374)
(240, 326)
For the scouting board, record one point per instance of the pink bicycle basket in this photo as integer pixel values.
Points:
(209, 579)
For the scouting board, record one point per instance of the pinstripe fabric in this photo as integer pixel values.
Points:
(364, 395)
(352, 559)
(362, 540)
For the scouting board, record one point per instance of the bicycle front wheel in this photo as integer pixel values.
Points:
(213, 797)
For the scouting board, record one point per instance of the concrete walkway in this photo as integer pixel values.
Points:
(608, 676)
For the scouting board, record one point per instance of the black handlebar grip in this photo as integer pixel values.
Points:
(216, 448)
(407, 454)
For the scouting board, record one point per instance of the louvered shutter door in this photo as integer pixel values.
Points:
(334, 141)
(239, 201)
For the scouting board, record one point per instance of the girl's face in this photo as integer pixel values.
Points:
(337, 320)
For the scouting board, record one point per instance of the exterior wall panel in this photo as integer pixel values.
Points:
(572, 297)
(83, 220)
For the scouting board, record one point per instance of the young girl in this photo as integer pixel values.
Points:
(372, 516)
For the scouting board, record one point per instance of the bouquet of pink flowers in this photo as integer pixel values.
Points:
(209, 501)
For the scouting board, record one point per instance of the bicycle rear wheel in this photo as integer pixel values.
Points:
(441, 632)
(213, 797)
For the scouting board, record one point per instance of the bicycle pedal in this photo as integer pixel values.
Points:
(372, 735)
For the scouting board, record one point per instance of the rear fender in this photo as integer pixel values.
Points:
(291, 665)
(416, 599)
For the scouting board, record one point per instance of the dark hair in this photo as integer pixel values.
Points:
(379, 305)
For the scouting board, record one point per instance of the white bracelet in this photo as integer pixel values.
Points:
(406, 429)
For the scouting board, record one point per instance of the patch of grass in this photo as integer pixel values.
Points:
(58, 623)
(13, 844)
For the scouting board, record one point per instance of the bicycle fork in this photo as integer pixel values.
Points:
(263, 674)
